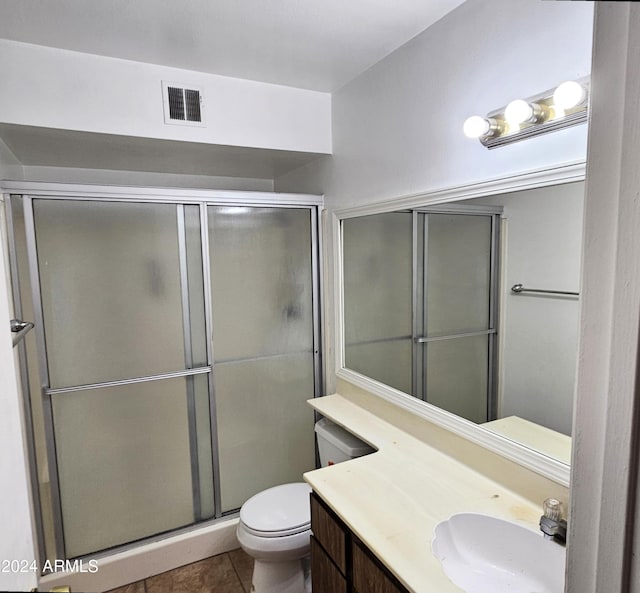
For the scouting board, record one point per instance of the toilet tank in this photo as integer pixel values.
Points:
(335, 444)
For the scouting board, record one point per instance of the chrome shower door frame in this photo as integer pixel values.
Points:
(201, 199)
(420, 339)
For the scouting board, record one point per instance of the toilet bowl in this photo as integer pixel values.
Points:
(275, 529)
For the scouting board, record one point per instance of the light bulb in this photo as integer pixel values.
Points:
(476, 127)
(569, 94)
(519, 112)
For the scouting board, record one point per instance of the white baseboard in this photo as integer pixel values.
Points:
(139, 563)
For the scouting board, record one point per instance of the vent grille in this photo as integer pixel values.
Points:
(192, 104)
(182, 105)
(176, 103)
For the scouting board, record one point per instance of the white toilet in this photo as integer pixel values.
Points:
(275, 524)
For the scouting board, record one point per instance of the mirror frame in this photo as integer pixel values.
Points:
(542, 464)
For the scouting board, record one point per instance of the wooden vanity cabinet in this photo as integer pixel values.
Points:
(329, 543)
(340, 562)
(325, 576)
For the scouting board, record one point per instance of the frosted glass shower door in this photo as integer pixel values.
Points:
(121, 287)
(377, 284)
(263, 346)
(454, 317)
(419, 304)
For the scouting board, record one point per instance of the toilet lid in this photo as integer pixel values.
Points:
(278, 511)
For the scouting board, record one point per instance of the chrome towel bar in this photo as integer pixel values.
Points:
(518, 288)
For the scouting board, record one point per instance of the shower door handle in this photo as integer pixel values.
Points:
(19, 329)
(18, 325)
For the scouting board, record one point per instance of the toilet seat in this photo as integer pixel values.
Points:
(278, 512)
(283, 533)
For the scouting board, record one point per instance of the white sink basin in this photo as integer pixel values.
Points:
(482, 554)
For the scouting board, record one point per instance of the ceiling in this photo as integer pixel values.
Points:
(312, 44)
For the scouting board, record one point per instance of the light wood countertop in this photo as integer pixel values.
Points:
(547, 441)
(393, 499)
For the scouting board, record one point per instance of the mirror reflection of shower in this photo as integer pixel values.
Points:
(420, 304)
(412, 283)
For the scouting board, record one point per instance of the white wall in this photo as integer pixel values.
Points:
(542, 248)
(397, 129)
(17, 541)
(62, 89)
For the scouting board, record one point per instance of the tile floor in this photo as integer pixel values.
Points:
(226, 573)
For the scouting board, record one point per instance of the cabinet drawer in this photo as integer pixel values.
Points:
(329, 533)
(325, 577)
(368, 577)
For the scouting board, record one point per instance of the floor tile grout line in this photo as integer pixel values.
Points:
(233, 564)
(236, 571)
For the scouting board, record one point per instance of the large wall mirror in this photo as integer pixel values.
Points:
(429, 309)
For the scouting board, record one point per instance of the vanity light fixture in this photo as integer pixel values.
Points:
(478, 127)
(564, 106)
(569, 94)
(522, 112)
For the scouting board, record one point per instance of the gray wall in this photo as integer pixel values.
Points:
(143, 178)
(10, 167)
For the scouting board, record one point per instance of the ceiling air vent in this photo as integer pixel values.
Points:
(182, 106)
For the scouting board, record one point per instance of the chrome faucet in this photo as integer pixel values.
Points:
(552, 525)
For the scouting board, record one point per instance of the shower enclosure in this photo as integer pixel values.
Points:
(176, 341)
(420, 304)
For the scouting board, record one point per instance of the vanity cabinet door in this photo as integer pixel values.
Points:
(339, 562)
(368, 577)
(325, 577)
(329, 533)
